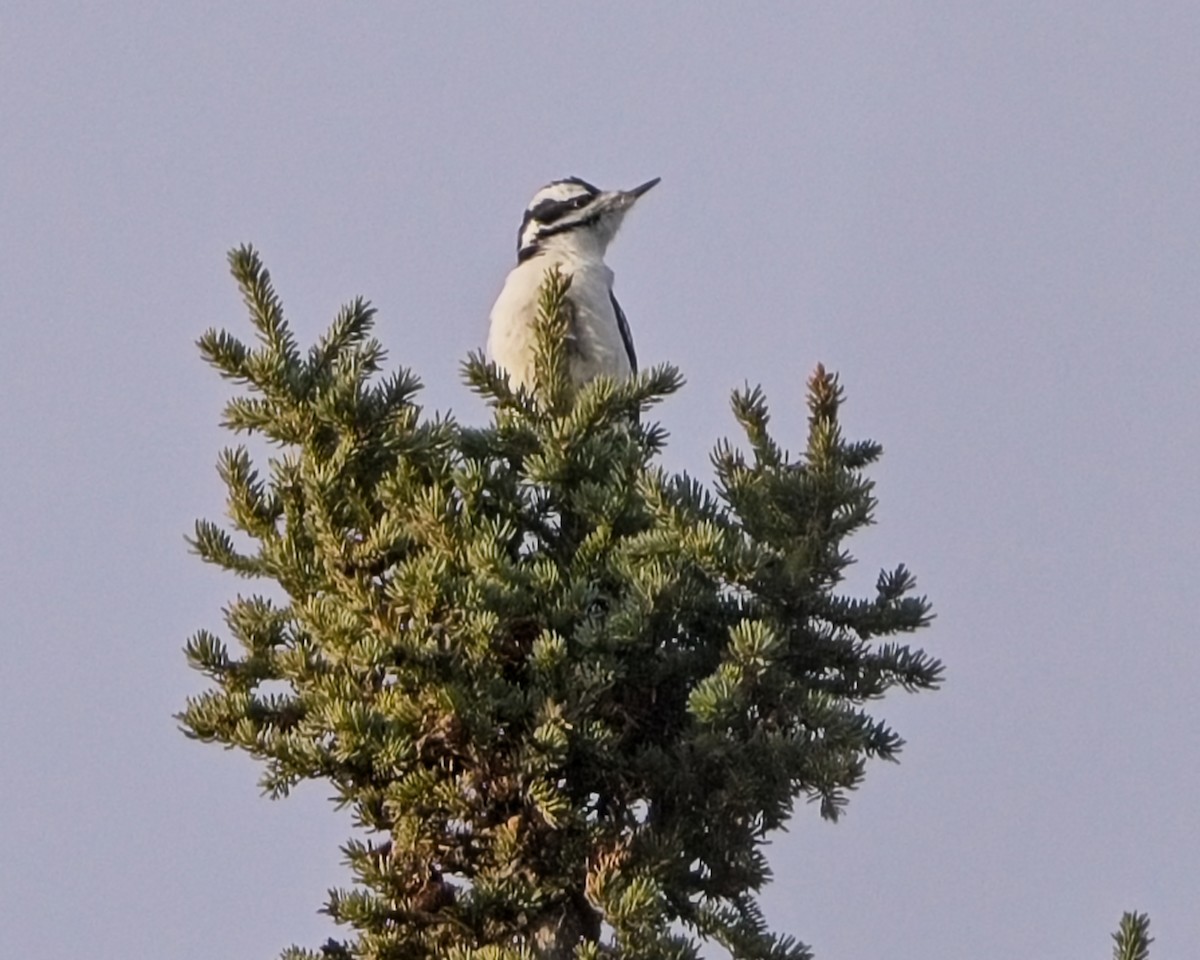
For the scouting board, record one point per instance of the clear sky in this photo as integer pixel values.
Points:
(985, 215)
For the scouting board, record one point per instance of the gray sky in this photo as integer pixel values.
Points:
(986, 216)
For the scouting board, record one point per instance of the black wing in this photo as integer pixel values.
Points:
(623, 326)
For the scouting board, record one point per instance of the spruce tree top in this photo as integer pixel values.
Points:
(566, 695)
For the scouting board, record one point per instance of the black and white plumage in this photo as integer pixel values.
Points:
(568, 223)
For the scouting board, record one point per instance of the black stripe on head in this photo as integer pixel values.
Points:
(551, 231)
(579, 182)
(549, 228)
(549, 210)
(534, 247)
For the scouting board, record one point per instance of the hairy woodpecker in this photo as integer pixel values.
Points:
(568, 223)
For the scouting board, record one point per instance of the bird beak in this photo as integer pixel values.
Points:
(638, 191)
(618, 202)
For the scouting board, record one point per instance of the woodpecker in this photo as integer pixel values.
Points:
(568, 223)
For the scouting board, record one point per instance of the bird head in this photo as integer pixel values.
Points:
(571, 212)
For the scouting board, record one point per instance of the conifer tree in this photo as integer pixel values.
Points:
(1132, 939)
(566, 694)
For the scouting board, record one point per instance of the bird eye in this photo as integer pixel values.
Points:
(580, 202)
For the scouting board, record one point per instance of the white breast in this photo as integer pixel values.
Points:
(510, 337)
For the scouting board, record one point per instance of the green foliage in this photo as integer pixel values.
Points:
(1132, 939)
(566, 695)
